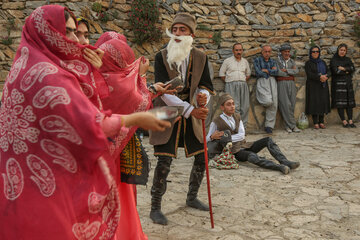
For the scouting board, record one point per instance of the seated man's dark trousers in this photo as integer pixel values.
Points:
(250, 155)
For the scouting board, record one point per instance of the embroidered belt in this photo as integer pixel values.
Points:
(292, 78)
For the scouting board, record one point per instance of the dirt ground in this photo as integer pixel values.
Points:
(319, 200)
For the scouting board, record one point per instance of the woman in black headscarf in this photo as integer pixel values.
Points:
(342, 92)
(317, 89)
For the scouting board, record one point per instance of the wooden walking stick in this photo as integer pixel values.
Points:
(207, 172)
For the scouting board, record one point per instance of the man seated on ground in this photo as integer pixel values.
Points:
(229, 121)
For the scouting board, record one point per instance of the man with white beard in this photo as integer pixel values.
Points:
(180, 58)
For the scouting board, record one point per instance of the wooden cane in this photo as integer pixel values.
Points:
(207, 172)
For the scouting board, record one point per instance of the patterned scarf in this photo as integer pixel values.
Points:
(121, 72)
(57, 174)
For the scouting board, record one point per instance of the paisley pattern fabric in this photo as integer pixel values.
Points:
(128, 94)
(57, 174)
(126, 86)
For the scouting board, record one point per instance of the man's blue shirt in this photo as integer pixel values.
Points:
(260, 63)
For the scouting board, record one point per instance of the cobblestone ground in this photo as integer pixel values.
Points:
(319, 200)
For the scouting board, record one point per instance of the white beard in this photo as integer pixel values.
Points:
(178, 51)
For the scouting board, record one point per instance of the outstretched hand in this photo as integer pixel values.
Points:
(163, 88)
(146, 121)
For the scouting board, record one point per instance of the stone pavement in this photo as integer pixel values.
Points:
(319, 200)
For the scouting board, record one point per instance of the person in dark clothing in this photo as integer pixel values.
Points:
(179, 58)
(342, 92)
(317, 89)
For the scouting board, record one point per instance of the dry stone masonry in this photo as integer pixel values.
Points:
(253, 23)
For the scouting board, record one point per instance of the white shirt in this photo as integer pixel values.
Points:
(234, 70)
(172, 100)
(230, 121)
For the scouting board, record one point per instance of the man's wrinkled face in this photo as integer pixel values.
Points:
(71, 29)
(228, 107)
(238, 51)
(180, 29)
(82, 34)
(266, 52)
(285, 54)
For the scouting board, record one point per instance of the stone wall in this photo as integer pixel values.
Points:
(252, 22)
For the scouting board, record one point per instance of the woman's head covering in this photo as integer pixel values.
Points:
(108, 36)
(121, 73)
(51, 139)
(321, 66)
(84, 21)
(336, 55)
(313, 47)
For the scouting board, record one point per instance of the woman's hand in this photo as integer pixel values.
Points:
(162, 88)
(94, 57)
(323, 78)
(341, 68)
(113, 124)
(144, 66)
(146, 121)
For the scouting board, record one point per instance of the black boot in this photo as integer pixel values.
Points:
(264, 163)
(196, 176)
(278, 155)
(158, 189)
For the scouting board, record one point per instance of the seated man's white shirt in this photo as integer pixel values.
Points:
(234, 70)
(230, 121)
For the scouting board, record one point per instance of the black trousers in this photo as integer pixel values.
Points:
(341, 112)
(318, 118)
(250, 154)
(243, 155)
(162, 171)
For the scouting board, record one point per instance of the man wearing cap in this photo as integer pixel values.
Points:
(180, 58)
(229, 121)
(235, 71)
(286, 87)
(266, 89)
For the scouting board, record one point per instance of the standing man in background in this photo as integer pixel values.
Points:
(286, 87)
(266, 89)
(235, 71)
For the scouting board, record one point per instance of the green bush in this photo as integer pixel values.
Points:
(143, 17)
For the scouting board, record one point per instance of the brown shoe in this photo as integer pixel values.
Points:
(316, 126)
(322, 126)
